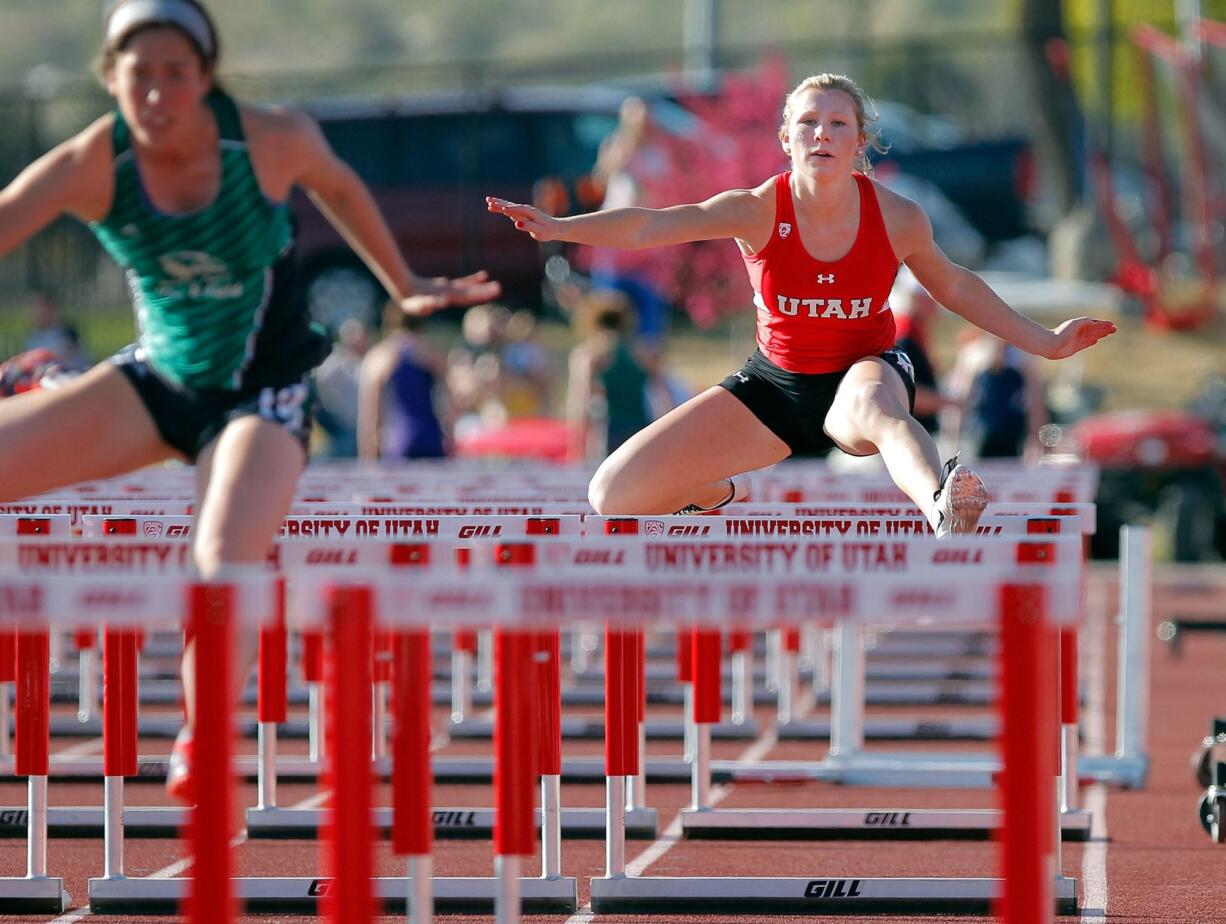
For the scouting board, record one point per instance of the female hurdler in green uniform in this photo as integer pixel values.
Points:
(187, 190)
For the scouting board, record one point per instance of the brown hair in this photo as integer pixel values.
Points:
(866, 112)
(113, 45)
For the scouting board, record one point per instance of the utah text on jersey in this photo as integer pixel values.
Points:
(825, 307)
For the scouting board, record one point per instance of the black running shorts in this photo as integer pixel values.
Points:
(793, 405)
(189, 419)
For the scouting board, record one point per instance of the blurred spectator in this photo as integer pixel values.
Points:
(474, 370)
(403, 408)
(1001, 400)
(607, 393)
(914, 310)
(49, 331)
(627, 158)
(336, 387)
(527, 371)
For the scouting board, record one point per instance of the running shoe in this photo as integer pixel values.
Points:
(738, 491)
(960, 499)
(180, 781)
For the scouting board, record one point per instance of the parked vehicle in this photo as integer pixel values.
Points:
(990, 182)
(1168, 465)
(429, 161)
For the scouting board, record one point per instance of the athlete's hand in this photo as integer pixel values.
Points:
(1074, 336)
(527, 218)
(440, 292)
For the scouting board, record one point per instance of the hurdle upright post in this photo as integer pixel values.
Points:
(636, 789)
(463, 645)
(211, 893)
(548, 656)
(119, 729)
(685, 676)
(1069, 744)
(87, 671)
(1028, 744)
(313, 676)
(272, 701)
(514, 767)
(740, 643)
(1136, 605)
(621, 742)
(349, 898)
(34, 740)
(847, 693)
(707, 707)
(8, 676)
(412, 782)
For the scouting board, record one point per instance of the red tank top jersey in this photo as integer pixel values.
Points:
(815, 316)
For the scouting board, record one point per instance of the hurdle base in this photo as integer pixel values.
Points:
(450, 823)
(858, 824)
(1129, 772)
(888, 729)
(19, 895)
(723, 895)
(301, 894)
(87, 821)
(593, 729)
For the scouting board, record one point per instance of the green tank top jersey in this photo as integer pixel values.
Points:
(202, 282)
(624, 382)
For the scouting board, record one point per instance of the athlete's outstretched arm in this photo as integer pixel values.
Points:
(965, 294)
(349, 206)
(737, 213)
(73, 178)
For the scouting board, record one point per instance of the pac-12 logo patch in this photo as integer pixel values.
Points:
(653, 527)
(784, 229)
(152, 528)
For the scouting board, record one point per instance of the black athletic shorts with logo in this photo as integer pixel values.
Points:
(189, 419)
(793, 405)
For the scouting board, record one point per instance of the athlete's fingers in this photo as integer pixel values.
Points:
(478, 276)
(505, 207)
(423, 304)
(473, 292)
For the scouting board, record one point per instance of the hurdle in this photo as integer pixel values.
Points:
(351, 880)
(693, 600)
(267, 819)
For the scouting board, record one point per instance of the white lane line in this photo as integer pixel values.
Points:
(1094, 857)
(672, 834)
(71, 916)
(173, 870)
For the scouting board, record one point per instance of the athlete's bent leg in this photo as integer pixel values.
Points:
(246, 480)
(94, 427)
(685, 457)
(870, 415)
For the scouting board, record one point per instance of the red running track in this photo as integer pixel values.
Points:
(1154, 865)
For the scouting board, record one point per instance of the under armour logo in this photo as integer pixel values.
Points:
(741, 377)
(825, 277)
(784, 229)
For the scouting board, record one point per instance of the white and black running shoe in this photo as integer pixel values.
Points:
(738, 491)
(960, 499)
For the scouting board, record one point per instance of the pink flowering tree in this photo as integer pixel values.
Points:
(733, 143)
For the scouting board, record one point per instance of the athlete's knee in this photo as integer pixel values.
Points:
(615, 490)
(216, 558)
(602, 491)
(876, 404)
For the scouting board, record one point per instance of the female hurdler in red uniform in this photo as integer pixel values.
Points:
(822, 244)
